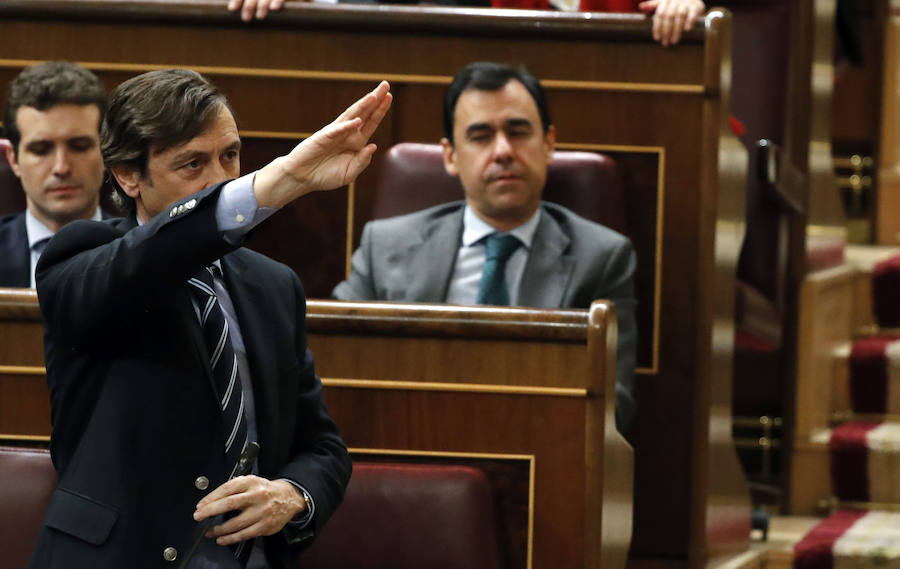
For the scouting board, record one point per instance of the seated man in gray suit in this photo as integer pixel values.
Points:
(52, 118)
(502, 245)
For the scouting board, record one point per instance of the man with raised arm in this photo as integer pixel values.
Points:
(171, 350)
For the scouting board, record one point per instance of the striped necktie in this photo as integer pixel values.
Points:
(223, 364)
(498, 250)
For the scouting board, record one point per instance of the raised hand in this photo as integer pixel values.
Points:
(332, 157)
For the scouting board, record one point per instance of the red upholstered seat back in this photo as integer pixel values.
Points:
(412, 178)
(410, 516)
(12, 199)
(27, 479)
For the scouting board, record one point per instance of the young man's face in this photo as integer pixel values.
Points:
(172, 174)
(500, 153)
(58, 161)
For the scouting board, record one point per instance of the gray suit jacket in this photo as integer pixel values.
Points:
(572, 262)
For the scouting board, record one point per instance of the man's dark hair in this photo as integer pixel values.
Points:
(156, 111)
(489, 76)
(46, 85)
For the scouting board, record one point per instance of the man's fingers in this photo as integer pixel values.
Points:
(364, 106)
(648, 6)
(359, 162)
(374, 119)
(222, 499)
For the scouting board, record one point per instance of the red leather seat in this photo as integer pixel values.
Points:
(28, 479)
(411, 516)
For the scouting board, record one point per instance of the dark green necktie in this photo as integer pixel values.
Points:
(498, 250)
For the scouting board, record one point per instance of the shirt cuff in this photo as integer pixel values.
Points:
(302, 520)
(237, 211)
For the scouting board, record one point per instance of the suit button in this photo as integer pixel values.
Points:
(201, 483)
(170, 554)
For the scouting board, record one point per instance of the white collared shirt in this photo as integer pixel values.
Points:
(470, 258)
(39, 234)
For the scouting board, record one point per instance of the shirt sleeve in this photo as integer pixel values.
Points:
(237, 211)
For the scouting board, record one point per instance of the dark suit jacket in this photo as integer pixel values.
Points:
(15, 256)
(135, 419)
(572, 262)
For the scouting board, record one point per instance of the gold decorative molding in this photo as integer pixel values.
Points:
(21, 438)
(22, 370)
(277, 135)
(453, 387)
(317, 75)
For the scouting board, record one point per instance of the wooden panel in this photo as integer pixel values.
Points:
(608, 84)
(531, 385)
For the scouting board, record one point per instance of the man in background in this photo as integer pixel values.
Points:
(52, 118)
(502, 245)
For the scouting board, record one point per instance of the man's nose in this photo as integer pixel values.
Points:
(61, 163)
(218, 172)
(502, 149)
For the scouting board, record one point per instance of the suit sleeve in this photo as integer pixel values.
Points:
(92, 276)
(617, 285)
(361, 283)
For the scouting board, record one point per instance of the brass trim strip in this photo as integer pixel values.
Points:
(657, 289)
(531, 474)
(453, 387)
(22, 370)
(437, 453)
(609, 147)
(11, 437)
(839, 417)
(298, 136)
(614, 86)
(351, 204)
(889, 506)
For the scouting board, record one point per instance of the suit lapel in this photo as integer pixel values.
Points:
(434, 258)
(549, 266)
(15, 267)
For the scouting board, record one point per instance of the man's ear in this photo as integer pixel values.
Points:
(128, 179)
(550, 142)
(449, 157)
(11, 158)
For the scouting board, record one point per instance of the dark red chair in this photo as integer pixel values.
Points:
(412, 178)
(28, 480)
(411, 516)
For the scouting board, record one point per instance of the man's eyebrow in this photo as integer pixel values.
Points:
(187, 155)
(477, 127)
(517, 122)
